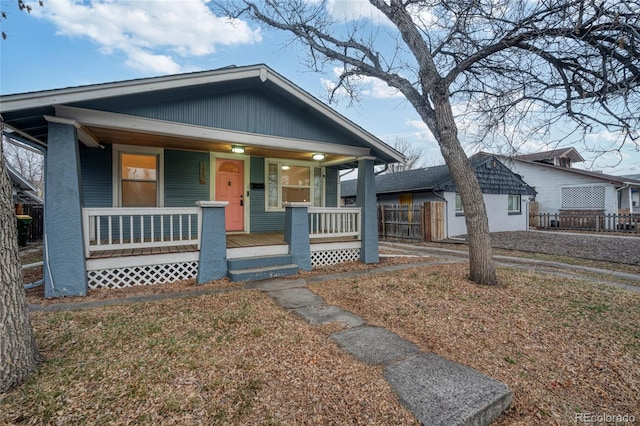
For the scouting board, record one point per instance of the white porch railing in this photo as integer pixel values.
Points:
(331, 222)
(137, 228)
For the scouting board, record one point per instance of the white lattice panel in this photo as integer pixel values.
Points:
(583, 197)
(141, 275)
(333, 257)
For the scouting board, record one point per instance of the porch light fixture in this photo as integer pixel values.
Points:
(285, 167)
(237, 149)
(318, 157)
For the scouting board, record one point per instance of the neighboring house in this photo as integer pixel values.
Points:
(505, 194)
(635, 193)
(24, 192)
(147, 180)
(563, 189)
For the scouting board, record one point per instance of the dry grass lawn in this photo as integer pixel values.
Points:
(563, 346)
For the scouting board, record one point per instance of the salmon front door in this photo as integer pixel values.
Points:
(230, 187)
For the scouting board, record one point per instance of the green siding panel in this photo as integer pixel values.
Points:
(96, 180)
(262, 221)
(182, 186)
(331, 187)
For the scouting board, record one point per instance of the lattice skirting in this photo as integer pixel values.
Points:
(333, 257)
(141, 275)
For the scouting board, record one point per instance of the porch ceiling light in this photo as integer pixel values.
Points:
(237, 149)
(318, 157)
(285, 167)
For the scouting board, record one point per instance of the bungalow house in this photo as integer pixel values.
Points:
(506, 195)
(231, 172)
(563, 189)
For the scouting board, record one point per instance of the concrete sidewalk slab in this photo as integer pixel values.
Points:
(374, 345)
(273, 285)
(292, 298)
(318, 315)
(441, 392)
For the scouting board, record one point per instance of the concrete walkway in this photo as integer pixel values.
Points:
(437, 391)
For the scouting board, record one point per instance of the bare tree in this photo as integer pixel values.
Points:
(411, 153)
(504, 60)
(19, 355)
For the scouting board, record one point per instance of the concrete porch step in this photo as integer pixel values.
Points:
(263, 272)
(258, 261)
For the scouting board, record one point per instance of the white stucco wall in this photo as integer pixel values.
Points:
(497, 211)
(549, 183)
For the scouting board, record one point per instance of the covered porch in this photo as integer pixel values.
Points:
(126, 247)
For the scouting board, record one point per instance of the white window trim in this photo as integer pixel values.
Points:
(455, 204)
(281, 161)
(519, 210)
(116, 150)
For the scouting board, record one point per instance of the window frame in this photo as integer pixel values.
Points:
(279, 162)
(519, 204)
(117, 151)
(459, 210)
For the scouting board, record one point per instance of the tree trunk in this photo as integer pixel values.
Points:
(19, 356)
(481, 266)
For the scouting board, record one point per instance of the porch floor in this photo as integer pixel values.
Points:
(233, 241)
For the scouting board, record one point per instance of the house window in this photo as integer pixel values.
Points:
(138, 177)
(293, 182)
(459, 209)
(514, 204)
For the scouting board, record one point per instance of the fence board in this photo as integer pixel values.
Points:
(627, 223)
(421, 222)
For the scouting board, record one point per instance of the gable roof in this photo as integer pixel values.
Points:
(493, 176)
(25, 191)
(568, 152)
(26, 114)
(615, 180)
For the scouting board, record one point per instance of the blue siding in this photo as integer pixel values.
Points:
(96, 171)
(331, 187)
(243, 110)
(182, 187)
(262, 221)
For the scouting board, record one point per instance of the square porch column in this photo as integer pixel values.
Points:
(212, 264)
(296, 233)
(366, 200)
(65, 272)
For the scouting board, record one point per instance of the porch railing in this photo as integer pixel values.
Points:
(333, 222)
(138, 228)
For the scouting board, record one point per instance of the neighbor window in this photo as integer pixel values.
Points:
(292, 182)
(138, 177)
(459, 209)
(514, 205)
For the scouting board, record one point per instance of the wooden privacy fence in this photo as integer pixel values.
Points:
(421, 222)
(36, 229)
(629, 223)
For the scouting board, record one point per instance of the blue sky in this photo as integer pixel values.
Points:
(70, 43)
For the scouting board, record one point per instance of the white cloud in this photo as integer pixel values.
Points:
(154, 35)
(352, 10)
(365, 86)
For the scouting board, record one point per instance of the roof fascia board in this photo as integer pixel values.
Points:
(105, 90)
(87, 117)
(601, 176)
(329, 113)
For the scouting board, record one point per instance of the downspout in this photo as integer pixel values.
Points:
(379, 172)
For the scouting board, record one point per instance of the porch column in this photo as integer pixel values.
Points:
(366, 200)
(296, 233)
(65, 272)
(213, 242)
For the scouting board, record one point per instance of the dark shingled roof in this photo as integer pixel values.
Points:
(493, 176)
